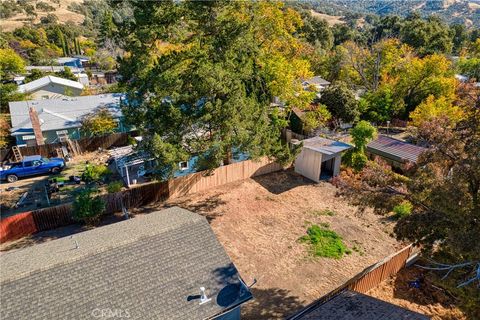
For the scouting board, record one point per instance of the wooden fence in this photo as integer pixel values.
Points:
(57, 216)
(86, 144)
(17, 226)
(368, 279)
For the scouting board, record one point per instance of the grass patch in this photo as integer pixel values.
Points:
(402, 210)
(324, 242)
(325, 212)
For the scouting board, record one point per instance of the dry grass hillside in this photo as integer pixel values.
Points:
(61, 11)
(332, 20)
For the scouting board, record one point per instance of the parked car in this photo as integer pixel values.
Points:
(31, 165)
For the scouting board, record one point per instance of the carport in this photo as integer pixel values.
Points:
(320, 158)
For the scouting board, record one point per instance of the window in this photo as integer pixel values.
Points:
(183, 165)
(25, 138)
(45, 97)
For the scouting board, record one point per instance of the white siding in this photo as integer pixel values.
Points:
(53, 91)
(308, 163)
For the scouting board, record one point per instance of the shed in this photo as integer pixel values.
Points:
(395, 152)
(348, 305)
(149, 267)
(320, 158)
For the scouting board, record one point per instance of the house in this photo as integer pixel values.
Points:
(135, 166)
(51, 87)
(75, 62)
(316, 83)
(164, 265)
(395, 152)
(83, 78)
(54, 69)
(19, 80)
(59, 116)
(320, 158)
(296, 118)
(354, 305)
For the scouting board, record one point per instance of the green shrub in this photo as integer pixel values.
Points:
(87, 207)
(131, 141)
(324, 243)
(114, 186)
(403, 209)
(359, 160)
(95, 173)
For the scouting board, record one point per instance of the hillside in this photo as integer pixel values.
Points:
(15, 15)
(465, 12)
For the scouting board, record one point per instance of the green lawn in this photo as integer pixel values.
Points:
(324, 242)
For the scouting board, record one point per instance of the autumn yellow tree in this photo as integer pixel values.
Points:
(4, 130)
(10, 63)
(98, 123)
(417, 78)
(432, 108)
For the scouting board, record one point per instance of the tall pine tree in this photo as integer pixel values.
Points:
(202, 78)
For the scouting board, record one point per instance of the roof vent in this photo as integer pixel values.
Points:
(203, 296)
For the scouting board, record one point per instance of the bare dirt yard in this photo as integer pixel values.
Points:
(428, 299)
(259, 222)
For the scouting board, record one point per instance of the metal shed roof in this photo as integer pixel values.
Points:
(151, 266)
(325, 146)
(395, 149)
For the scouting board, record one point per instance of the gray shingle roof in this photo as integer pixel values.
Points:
(150, 267)
(394, 149)
(317, 81)
(349, 305)
(55, 114)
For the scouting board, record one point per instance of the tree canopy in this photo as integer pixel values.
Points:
(10, 63)
(202, 78)
(340, 102)
(98, 123)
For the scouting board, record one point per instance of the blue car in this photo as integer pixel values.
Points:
(32, 165)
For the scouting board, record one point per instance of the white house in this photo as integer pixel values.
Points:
(51, 87)
(317, 83)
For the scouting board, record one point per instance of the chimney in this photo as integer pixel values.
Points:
(37, 131)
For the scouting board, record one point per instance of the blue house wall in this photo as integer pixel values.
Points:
(237, 157)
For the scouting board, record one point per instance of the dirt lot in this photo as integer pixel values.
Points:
(35, 186)
(428, 299)
(259, 222)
